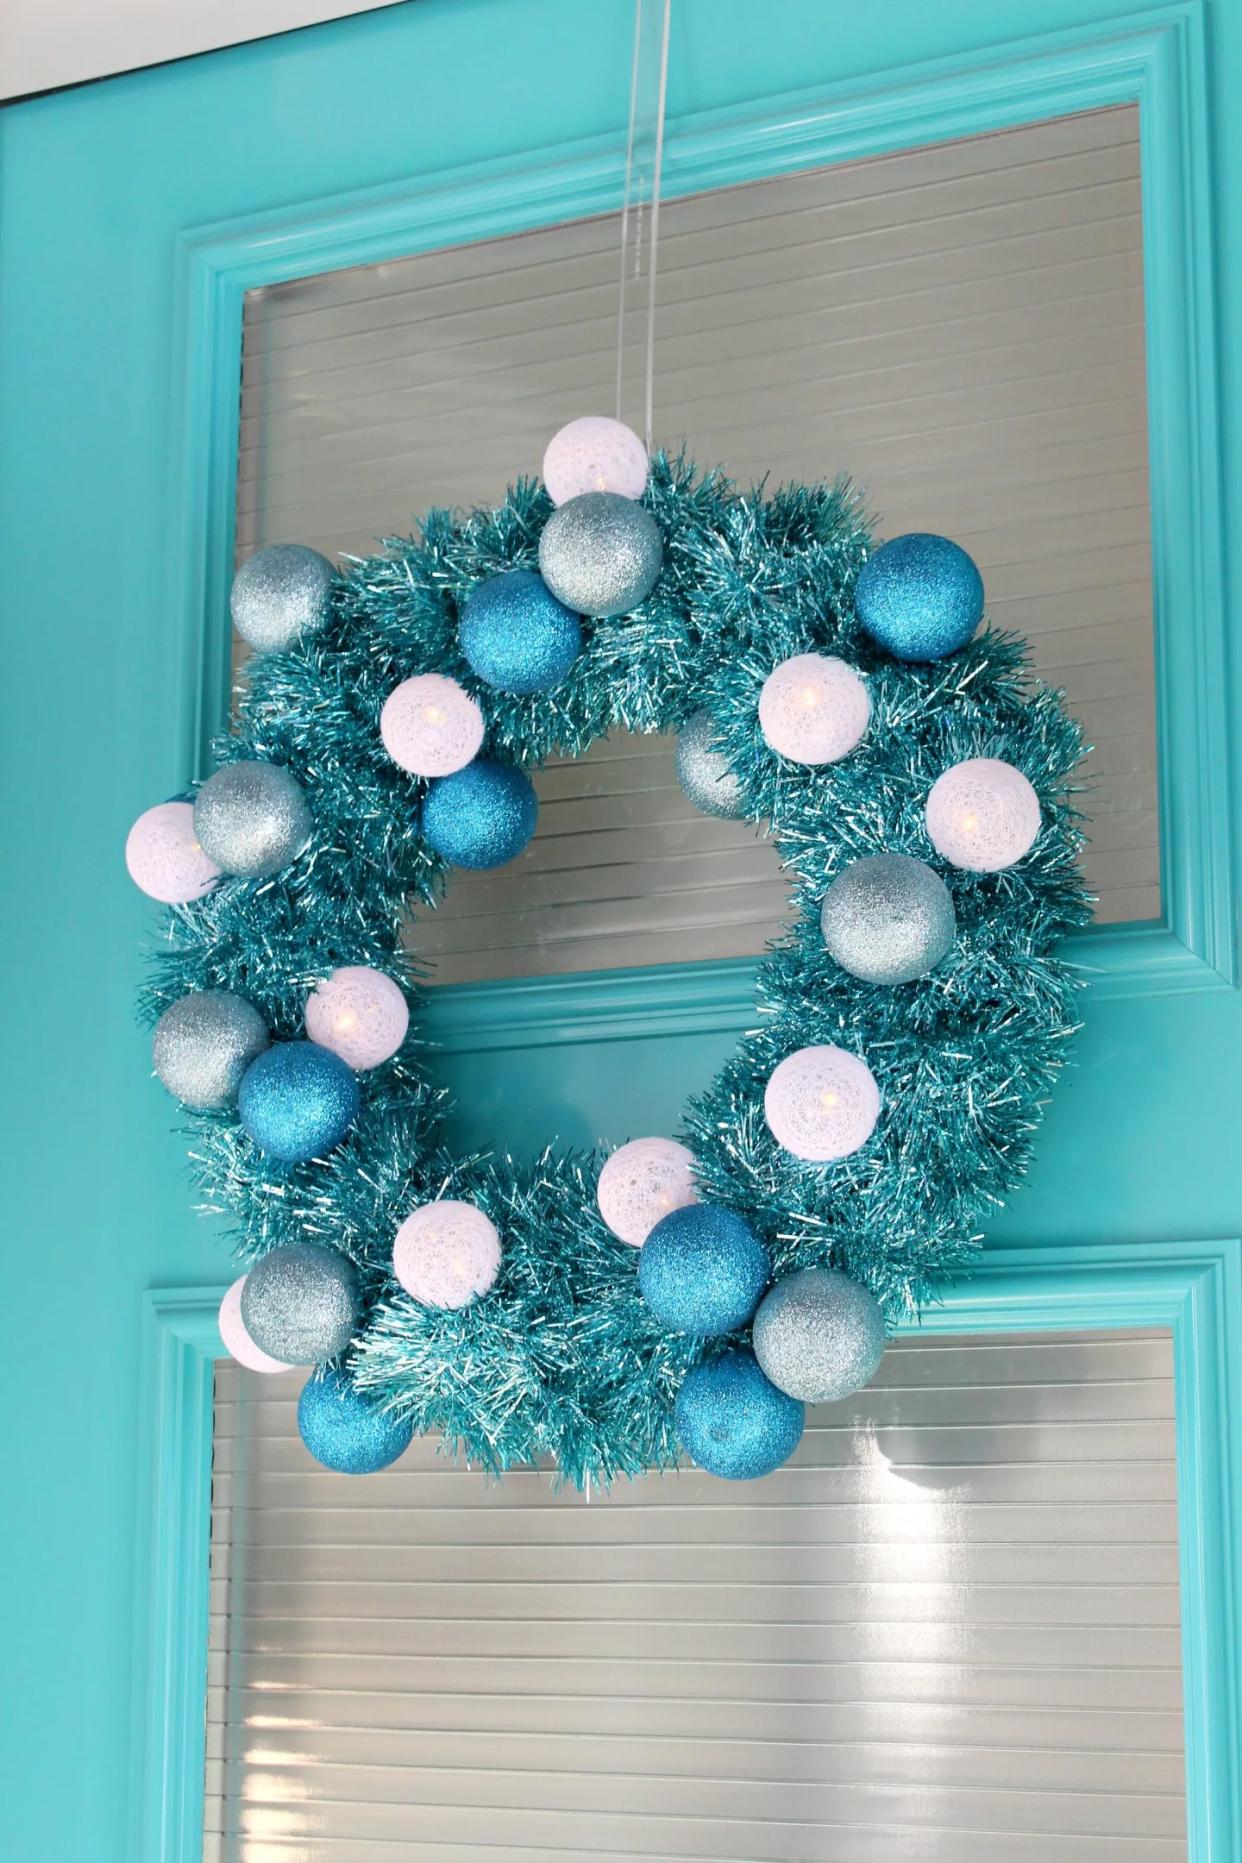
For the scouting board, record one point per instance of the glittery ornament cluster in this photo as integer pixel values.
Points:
(694, 597)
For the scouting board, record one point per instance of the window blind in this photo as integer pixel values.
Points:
(947, 1632)
(958, 328)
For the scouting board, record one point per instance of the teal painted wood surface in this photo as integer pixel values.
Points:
(132, 214)
(1192, 1288)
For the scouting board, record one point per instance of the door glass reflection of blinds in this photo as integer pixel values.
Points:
(959, 328)
(946, 1633)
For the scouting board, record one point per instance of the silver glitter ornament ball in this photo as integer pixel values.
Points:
(281, 595)
(888, 919)
(601, 554)
(251, 819)
(819, 1335)
(704, 772)
(300, 1303)
(203, 1045)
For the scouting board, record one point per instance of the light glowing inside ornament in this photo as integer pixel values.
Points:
(360, 1014)
(164, 858)
(237, 1341)
(641, 1183)
(431, 726)
(982, 815)
(594, 454)
(814, 709)
(821, 1103)
(446, 1253)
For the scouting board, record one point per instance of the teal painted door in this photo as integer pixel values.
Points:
(132, 214)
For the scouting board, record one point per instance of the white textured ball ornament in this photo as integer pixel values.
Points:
(164, 857)
(431, 726)
(982, 815)
(237, 1341)
(360, 1014)
(641, 1183)
(594, 454)
(446, 1253)
(821, 1103)
(814, 709)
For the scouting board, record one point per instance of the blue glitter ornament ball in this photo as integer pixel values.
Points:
(297, 1101)
(919, 597)
(345, 1431)
(481, 816)
(517, 636)
(733, 1421)
(703, 1270)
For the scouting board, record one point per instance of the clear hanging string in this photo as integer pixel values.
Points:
(640, 211)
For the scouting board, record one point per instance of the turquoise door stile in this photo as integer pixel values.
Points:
(134, 214)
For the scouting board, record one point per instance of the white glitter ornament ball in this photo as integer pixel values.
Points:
(819, 1336)
(814, 709)
(431, 726)
(252, 818)
(237, 1341)
(821, 1103)
(360, 1014)
(594, 454)
(164, 858)
(642, 1183)
(280, 595)
(982, 815)
(446, 1253)
(203, 1044)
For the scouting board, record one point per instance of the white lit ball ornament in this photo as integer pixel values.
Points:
(360, 1014)
(237, 1341)
(982, 815)
(431, 726)
(594, 454)
(814, 709)
(642, 1183)
(164, 858)
(446, 1253)
(821, 1103)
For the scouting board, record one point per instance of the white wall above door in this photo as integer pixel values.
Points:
(45, 44)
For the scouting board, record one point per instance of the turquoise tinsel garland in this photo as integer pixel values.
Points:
(563, 1358)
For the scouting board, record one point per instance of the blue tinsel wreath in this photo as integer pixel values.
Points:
(562, 1357)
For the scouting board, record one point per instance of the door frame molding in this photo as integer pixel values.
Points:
(1155, 59)
(1192, 1288)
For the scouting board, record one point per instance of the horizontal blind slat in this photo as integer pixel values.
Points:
(961, 328)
